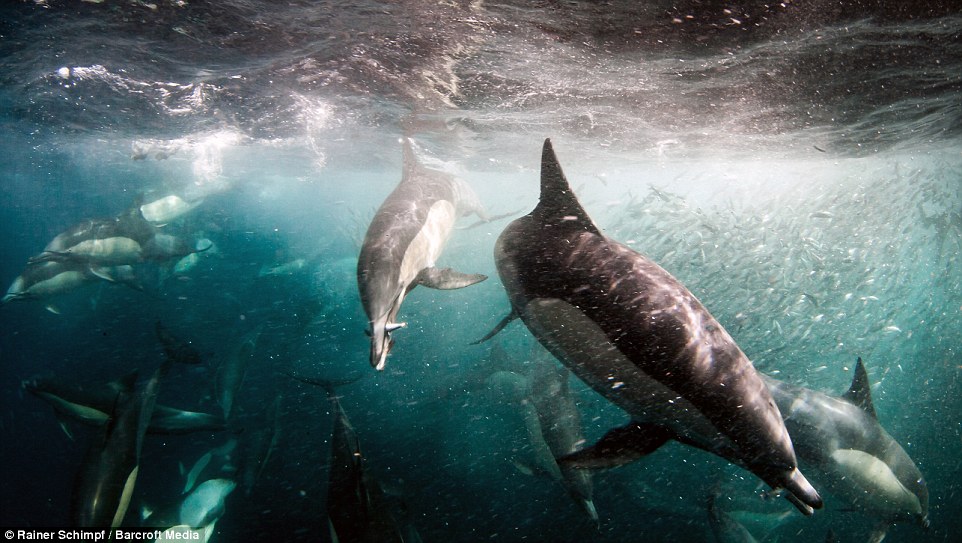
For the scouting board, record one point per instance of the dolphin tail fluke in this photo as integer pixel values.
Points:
(330, 385)
(619, 447)
(447, 279)
(500, 326)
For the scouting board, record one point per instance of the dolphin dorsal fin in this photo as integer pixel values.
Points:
(410, 164)
(859, 393)
(557, 203)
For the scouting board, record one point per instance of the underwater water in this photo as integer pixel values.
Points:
(796, 165)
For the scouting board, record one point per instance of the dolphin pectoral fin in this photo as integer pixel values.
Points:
(500, 326)
(447, 279)
(392, 326)
(102, 272)
(619, 447)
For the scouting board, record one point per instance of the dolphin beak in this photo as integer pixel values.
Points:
(801, 493)
(380, 347)
(381, 342)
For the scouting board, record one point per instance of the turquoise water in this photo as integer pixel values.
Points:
(799, 173)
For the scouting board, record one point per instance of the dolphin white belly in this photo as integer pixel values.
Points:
(427, 245)
(107, 251)
(160, 212)
(59, 283)
(870, 483)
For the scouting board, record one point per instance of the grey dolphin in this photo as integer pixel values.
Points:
(260, 444)
(163, 210)
(232, 370)
(216, 463)
(108, 474)
(194, 516)
(43, 280)
(843, 447)
(126, 239)
(102, 242)
(561, 428)
(358, 509)
(637, 336)
(724, 527)
(552, 423)
(92, 405)
(402, 245)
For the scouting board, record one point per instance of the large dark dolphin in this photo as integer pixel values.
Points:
(841, 444)
(402, 245)
(108, 474)
(637, 336)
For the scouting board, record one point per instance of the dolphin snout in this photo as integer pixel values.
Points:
(803, 494)
(381, 342)
(380, 347)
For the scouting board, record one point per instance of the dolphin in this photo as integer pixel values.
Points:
(126, 239)
(356, 506)
(287, 268)
(841, 443)
(552, 424)
(106, 479)
(638, 337)
(194, 516)
(163, 210)
(47, 279)
(514, 389)
(92, 405)
(231, 372)
(43, 280)
(561, 428)
(724, 527)
(260, 445)
(102, 242)
(402, 245)
(216, 463)
(189, 262)
(358, 509)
